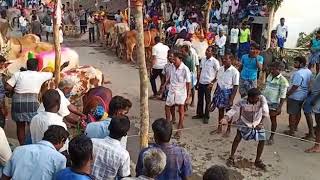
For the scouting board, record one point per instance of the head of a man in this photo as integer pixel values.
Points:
(254, 50)
(216, 173)
(300, 62)
(221, 33)
(254, 95)
(209, 52)
(66, 86)
(154, 162)
(101, 8)
(318, 34)
(162, 130)
(51, 101)
(178, 56)
(227, 59)
(32, 65)
(80, 150)
(80, 7)
(119, 127)
(119, 106)
(56, 135)
(275, 68)
(282, 21)
(170, 56)
(157, 39)
(185, 49)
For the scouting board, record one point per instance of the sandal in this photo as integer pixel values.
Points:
(230, 162)
(260, 164)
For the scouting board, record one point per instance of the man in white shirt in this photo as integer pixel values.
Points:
(41, 122)
(234, 39)
(159, 60)
(208, 70)
(193, 27)
(220, 42)
(118, 17)
(282, 33)
(179, 89)
(226, 9)
(228, 81)
(23, 24)
(111, 160)
(181, 27)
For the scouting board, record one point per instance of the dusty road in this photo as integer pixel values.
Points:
(285, 159)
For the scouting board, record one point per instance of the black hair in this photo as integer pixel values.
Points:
(115, 105)
(127, 103)
(254, 92)
(282, 18)
(301, 60)
(2, 59)
(157, 39)
(32, 64)
(56, 134)
(101, 7)
(34, 18)
(216, 173)
(255, 45)
(178, 54)
(186, 47)
(119, 127)
(318, 32)
(80, 150)
(276, 65)
(162, 130)
(51, 98)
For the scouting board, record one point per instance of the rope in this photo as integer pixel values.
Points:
(236, 126)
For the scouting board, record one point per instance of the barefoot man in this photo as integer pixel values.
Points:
(253, 110)
(228, 82)
(179, 88)
(275, 93)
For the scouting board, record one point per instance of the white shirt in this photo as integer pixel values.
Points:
(282, 31)
(64, 103)
(226, 79)
(220, 41)
(22, 21)
(40, 124)
(5, 151)
(234, 36)
(209, 70)
(195, 58)
(178, 79)
(179, 28)
(110, 159)
(160, 51)
(223, 28)
(28, 81)
(193, 27)
(225, 6)
(200, 48)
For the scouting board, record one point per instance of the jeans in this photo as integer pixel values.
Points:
(154, 75)
(91, 35)
(204, 93)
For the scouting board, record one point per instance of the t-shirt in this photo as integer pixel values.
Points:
(118, 18)
(160, 51)
(226, 4)
(249, 67)
(282, 31)
(69, 174)
(22, 21)
(244, 35)
(301, 78)
(234, 35)
(193, 27)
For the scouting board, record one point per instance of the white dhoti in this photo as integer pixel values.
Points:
(48, 29)
(176, 98)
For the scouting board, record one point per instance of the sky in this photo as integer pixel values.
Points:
(301, 16)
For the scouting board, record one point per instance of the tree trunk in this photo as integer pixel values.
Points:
(144, 106)
(270, 25)
(56, 39)
(129, 13)
(208, 14)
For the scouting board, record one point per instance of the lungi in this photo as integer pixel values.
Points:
(314, 58)
(24, 107)
(281, 42)
(221, 97)
(176, 97)
(249, 133)
(48, 29)
(246, 85)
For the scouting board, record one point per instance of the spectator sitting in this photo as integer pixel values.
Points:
(39, 161)
(216, 173)
(178, 160)
(80, 149)
(154, 162)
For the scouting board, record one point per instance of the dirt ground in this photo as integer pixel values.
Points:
(285, 160)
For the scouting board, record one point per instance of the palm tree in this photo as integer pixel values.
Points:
(273, 6)
(144, 106)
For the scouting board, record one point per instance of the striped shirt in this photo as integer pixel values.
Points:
(276, 89)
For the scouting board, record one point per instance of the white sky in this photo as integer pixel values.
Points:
(301, 16)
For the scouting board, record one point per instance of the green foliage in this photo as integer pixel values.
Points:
(274, 3)
(304, 39)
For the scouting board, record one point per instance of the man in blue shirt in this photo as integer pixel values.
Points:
(39, 161)
(80, 150)
(250, 65)
(298, 92)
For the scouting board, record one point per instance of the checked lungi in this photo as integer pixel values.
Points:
(314, 58)
(24, 107)
(249, 133)
(221, 97)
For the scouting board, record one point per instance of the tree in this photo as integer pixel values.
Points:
(144, 106)
(209, 3)
(56, 39)
(273, 6)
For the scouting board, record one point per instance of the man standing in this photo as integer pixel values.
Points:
(253, 110)
(250, 65)
(275, 93)
(91, 24)
(38, 161)
(234, 39)
(23, 24)
(178, 159)
(47, 20)
(226, 9)
(298, 92)
(282, 33)
(228, 82)
(118, 17)
(82, 17)
(314, 57)
(208, 71)
(179, 89)
(111, 160)
(159, 60)
(244, 40)
(220, 42)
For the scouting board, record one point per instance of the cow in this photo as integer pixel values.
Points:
(119, 29)
(107, 27)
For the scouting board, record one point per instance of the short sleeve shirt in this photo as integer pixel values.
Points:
(282, 31)
(276, 89)
(244, 35)
(249, 67)
(178, 79)
(302, 79)
(227, 78)
(209, 70)
(234, 35)
(160, 51)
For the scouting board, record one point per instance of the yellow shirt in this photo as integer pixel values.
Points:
(244, 35)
